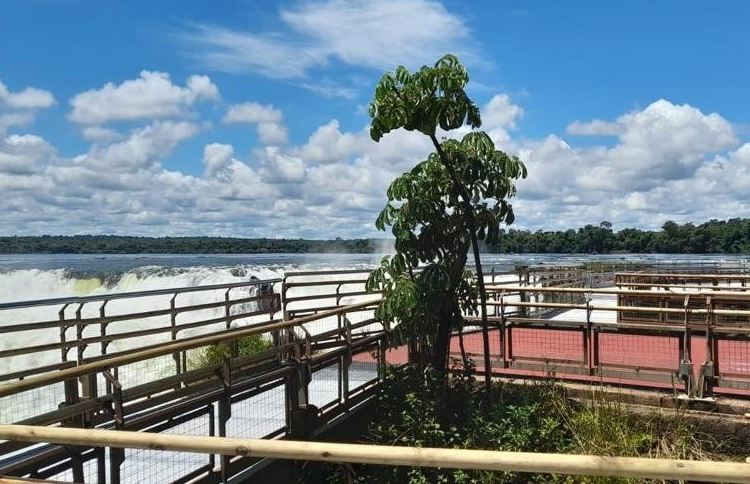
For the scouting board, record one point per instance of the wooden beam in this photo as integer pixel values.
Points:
(707, 471)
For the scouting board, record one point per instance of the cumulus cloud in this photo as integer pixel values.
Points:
(252, 112)
(280, 168)
(658, 144)
(596, 127)
(98, 133)
(29, 98)
(669, 160)
(151, 96)
(23, 154)
(141, 149)
(19, 108)
(329, 145)
(216, 157)
(666, 162)
(267, 119)
(500, 116)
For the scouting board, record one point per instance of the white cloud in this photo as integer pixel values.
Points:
(329, 145)
(98, 133)
(151, 96)
(216, 157)
(596, 127)
(361, 33)
(252, 112)
(499, 116)
(19, 108)
(277, 167)
(23, 154)
(29, 98)
(667, 162)
(271, 132)
(661, 143)
(141, 149)
(670, 162)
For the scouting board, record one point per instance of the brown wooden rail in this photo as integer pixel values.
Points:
(590, 465)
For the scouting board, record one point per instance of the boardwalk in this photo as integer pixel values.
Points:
(647, 360)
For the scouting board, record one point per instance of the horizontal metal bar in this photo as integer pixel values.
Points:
(134, 294)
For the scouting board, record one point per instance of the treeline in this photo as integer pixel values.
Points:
(713, 237)
(113, 244)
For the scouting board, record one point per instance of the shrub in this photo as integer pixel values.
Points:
(216, 353)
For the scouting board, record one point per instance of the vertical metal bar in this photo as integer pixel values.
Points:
(63, 329)
(79, 333)
(339, 316)
(225, 411)
(116, 456)
(586, 333)
(212, 431)
(709, 369)
(227, 309)
(233, 344)
(103, 326)
(104, 343)
(595, 360)
(686, 363)
(284, 303)
(501, 332)
(176, 356)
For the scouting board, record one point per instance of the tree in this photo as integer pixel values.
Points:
(439, 210)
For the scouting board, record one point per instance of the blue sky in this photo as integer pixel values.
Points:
(248, 119)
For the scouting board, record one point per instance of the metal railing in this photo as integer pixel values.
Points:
(323, 356)
(311, 373)
(699, 349)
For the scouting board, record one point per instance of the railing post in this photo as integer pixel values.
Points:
(708, 369)
(233, 344)
(587, 337)
(79, 334)
(523, 280)
(64, 325)
(103, 326)
(103, 332)
(176, 356)
(303, 416)
(225, 410)
(116, 455)
(501, 332)
(686, 363)
(71, 397)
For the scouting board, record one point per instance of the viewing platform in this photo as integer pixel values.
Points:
(136, 361)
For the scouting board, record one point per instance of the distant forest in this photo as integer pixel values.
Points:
(115, 244)
(713, 237)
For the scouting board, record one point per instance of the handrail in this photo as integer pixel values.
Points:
(166, 349)
(624, 292)
(125, 295)
(684, 275)
(595, 465)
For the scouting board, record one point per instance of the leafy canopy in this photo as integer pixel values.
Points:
(440, 208)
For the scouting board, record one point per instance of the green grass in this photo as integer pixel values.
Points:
(216, 353)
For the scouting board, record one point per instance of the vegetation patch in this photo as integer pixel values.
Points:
(415, 409)
(216, 353)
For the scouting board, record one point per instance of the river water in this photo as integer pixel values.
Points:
(39, 276)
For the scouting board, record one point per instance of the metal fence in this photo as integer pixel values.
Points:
(323, 356)
(158, 387)
(700, 349)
